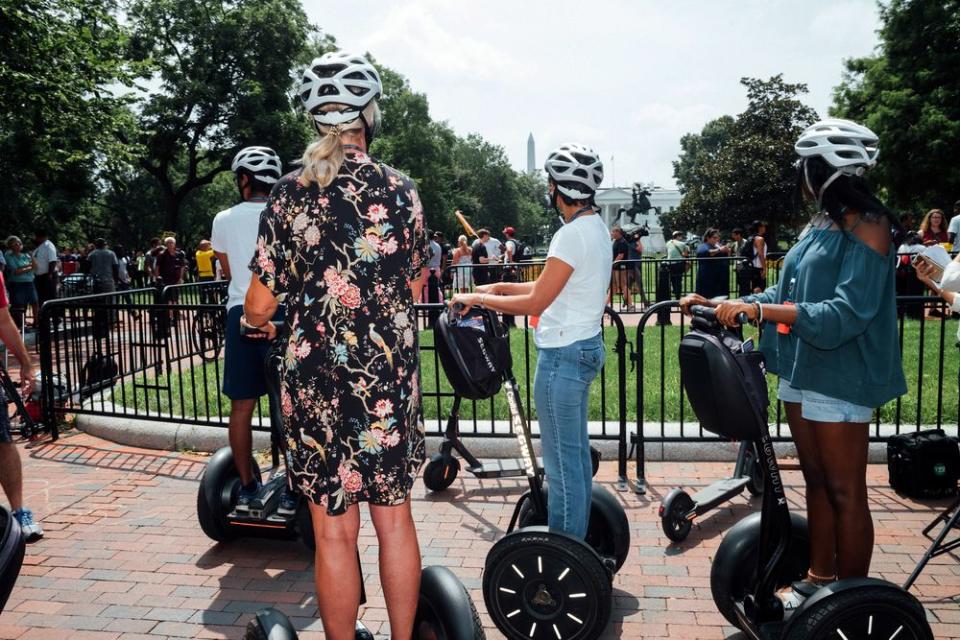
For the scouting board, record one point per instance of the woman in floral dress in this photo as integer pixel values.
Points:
(341, 242)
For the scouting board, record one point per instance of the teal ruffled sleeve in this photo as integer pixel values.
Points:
(861, 280)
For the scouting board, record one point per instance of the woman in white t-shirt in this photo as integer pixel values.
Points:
(570, 297)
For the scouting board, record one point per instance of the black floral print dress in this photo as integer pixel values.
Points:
(341, 258)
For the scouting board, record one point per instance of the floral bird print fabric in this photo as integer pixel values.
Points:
(341, 258)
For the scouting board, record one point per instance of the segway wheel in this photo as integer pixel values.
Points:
(880, 610)
(754, 472)
(270, 624)
(540, 585)
(440, 472)
(673, 515)
(595, 456)
(608, 531)
(734, 570)
(217, 494)
(445, 610)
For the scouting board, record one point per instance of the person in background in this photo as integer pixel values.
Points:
(171, 263)
(675, 262)
(434, 268)
(949, 287)
(933, 228)
(206, 269)
(755, 257)
(713, 271)
(462, 271)
(480, 258)
(104, 267)
(510, 272)
(84, 258)
(618, 279)
(20, 268)
(494, 257)
(68, 262)
(635, 271)
(736, 245)
(446, 278)
(954, 227)
(125, 268)
(150, 261)
(11, 469)
(45, 255)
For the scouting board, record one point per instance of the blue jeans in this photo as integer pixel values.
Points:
(561, 392)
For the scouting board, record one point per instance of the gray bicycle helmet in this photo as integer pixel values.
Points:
(262, 162)
(576, 169)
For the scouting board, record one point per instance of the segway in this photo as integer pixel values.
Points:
(12, 548)
(445, 611)
(443, 468)
(679, 509)
(726, 384)
(537, 584)
(220, 485)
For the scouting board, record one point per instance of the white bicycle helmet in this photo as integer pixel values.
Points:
(846, 146)
(263, 162)
(576, 169)
(339, 78)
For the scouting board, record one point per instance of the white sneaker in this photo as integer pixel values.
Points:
(32, 531)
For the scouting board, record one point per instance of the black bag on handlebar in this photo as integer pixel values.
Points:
(924, 464)
(726, 385)
(474, 350)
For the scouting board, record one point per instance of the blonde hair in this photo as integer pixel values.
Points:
(462, 240)
(324, 157)
(926, 220)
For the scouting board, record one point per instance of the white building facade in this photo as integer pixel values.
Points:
(612, 199)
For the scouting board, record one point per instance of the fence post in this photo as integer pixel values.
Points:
(47, 400)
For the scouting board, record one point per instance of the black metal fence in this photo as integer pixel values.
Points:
(155, 355)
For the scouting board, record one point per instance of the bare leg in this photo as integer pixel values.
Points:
(843, 449)
(822, 526)
(11, 475)
(399, 565)
(336, 570)
(241, 437)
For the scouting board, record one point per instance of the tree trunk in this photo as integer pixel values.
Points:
(171, 211)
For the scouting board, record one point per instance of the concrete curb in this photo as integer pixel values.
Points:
(170, 436)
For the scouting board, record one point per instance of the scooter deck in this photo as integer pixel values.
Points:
(263, 511)
(718, 492)
(500, 468)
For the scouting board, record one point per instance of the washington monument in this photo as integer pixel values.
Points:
(531, 155)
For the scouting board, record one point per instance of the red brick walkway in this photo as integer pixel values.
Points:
(125, 558)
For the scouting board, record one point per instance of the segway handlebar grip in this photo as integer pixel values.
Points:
(254, 332)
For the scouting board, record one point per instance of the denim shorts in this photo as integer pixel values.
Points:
(821, 408)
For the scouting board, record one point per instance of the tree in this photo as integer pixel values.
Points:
(909, 95)
(58, 115)
(742, 169)
(225, 73)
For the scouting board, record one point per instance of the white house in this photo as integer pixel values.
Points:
(612, 199)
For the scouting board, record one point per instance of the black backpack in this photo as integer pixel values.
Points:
(522, 252)
(749, 251)
(474, 351)
(924, 464)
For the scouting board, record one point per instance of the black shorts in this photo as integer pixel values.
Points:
(244, 360)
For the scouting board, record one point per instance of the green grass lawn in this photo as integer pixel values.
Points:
(196, 391)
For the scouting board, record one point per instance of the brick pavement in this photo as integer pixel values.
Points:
(124, 558)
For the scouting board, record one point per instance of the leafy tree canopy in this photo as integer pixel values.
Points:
(909, 95)
(741, 169)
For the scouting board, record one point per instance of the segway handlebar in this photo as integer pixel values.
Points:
(710, 314)
(248, 331)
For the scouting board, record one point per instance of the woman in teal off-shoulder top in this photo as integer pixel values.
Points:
(830, 333)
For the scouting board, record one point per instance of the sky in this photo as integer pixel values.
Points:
(628, 78)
